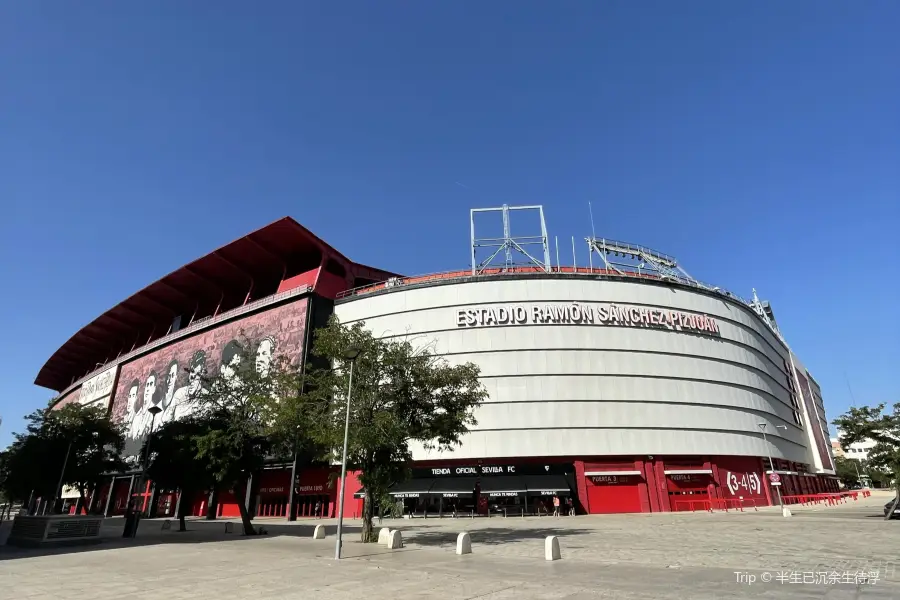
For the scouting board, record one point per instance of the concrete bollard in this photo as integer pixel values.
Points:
(395, 540)
(463, 544)
(319, 533)
(551, 548)
(384, 535)
(786, 512)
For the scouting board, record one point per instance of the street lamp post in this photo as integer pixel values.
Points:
(351, 355)
(62, 474)
(858, 478)
(762, 427)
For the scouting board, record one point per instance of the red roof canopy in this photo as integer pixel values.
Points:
(248, 268)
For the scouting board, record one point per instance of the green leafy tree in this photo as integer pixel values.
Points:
(77, 442)
(872, 422)
(95, 451)
(296, 422)
(175, 464)
(235, 403)
(32, 463)
(846, 470)
(401, 395)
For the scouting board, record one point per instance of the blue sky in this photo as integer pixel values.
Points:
(758, 142)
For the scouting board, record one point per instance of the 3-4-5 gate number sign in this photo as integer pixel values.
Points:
(742, 482)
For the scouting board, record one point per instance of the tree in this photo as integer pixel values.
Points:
(872, 422)
(235, 404)
(76, 442)
(32, 463)
(296, 422)
(96, 447)
(174, 462)
(401, 395)
(846, 470)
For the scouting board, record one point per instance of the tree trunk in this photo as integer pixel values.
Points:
(890, 513)
(368, 531)
(81, 504)
(212, 504)
(240, 491)
(183, 507)
(292, 491)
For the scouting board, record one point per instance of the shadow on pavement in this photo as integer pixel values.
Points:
(490, 536)
(151, 532)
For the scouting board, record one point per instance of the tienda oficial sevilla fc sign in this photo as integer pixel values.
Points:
(604, 314)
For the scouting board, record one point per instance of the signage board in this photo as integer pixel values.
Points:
(774, 478)
(98, 387)
(689, 476)
(311, 488)
(492, 470)
(748, 482)
(602, 314)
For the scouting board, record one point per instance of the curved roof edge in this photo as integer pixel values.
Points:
(248, 268)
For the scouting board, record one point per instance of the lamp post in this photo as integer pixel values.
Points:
(153, 410)
(856, 466)
(351, 355)
(62, 474)
(762, 427)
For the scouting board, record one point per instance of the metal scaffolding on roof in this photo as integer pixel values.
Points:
(624, 257)
(508, 245)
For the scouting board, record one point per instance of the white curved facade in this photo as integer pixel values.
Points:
(592, 389)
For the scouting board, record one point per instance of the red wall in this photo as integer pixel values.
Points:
(741, 477)
(307, 278)
(329, 285)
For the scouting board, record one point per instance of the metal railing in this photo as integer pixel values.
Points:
(637, 273)
(198, 325)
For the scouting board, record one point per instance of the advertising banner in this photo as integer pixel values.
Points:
(170, 377)
(98, 388)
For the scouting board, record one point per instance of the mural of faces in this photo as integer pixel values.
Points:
(171, 378)
(265, 352)
(196, 372)
(133, 397)
(150, 390)
(232, 355)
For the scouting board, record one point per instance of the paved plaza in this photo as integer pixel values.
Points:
(697, 556)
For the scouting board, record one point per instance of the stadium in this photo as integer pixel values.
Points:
(622, 385)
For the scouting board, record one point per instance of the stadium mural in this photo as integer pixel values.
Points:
(171, 376)
(70, 398)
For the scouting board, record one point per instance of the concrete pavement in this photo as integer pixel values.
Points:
(612, 556)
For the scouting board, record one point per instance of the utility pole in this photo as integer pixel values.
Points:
(785, 511)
